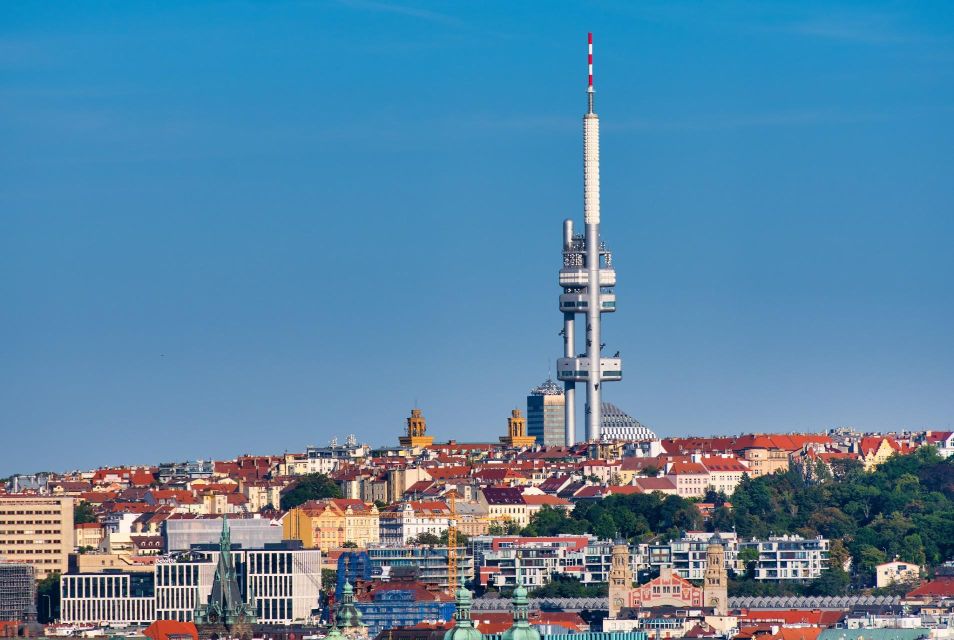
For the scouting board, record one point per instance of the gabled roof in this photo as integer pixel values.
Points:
(648, 485)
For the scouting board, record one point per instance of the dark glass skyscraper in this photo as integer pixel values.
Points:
(545, 414)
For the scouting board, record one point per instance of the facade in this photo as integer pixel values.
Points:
(618, 425)
(17, 592)
(402, 523)
(38, 531)
(187, 470)
(889, 573)
(328, 524)
(430, 563)
(789, 557)
(545, 419)
(251, 533)
(282, 581)
(500, 558)
(669, 589)
(691, 479)
(689, 555)
(115, 598)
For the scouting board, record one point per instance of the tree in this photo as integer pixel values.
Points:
(48, 598)
(428, 539)
(832, 582)
(748, 556)
(348, 544)
(84, 514)
(312, 486)
(462, 540)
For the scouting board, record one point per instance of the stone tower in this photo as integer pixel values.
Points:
(517, 432)
(716, 582)
(416, 431)
(620, 580)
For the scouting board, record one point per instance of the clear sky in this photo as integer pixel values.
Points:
(231, 227)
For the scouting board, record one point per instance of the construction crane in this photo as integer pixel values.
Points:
(452, 543)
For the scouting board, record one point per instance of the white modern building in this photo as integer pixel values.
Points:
(789, 557)
(111, 598)
(283, 579)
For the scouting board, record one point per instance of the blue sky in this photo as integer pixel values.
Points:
(231, 227)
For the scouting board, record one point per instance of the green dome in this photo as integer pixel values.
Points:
(463, 626)
(517, 632)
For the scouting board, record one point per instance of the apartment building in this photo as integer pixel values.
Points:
(401, 523)
(38, 531)
(789, 557)
(537, 559)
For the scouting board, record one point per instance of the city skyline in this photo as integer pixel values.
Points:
(253, 231)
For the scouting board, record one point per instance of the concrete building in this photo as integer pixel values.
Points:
(789, 557)
(17, 592)
(545, 414)
(284, 579)
(113, 598)
(538, 559)
(38, 531)
(430, 563)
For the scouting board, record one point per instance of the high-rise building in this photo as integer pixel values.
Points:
(545, 414)
(37, 530)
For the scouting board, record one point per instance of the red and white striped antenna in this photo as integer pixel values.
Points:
(589, 62)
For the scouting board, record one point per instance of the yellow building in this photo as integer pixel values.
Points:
(37, 530)
(328, 524)
(875, 451)
(416, 431)
(517, 432)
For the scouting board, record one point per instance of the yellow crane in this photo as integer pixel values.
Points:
(452, 543)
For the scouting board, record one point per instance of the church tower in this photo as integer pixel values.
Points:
(517, 432)
(716, 581)
(416, 431)
(620, 580)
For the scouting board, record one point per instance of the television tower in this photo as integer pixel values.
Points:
(587, 278)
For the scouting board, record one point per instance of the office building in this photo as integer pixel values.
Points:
(38, 531)
(17, 592)
(430, 563)
(112, 597)
(545, 419)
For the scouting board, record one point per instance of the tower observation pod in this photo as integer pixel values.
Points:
(587, 278)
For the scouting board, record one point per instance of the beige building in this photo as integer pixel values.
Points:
(891, 572)
(38, 531)
(328, 524)
(88, 535)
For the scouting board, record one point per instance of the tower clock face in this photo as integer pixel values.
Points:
(618, 602)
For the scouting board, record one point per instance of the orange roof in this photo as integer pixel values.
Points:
(718, 463)
(687, 468)
(825, 618)
(171, 629)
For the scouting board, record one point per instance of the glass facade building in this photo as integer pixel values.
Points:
(545, 417)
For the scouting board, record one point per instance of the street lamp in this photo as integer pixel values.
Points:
(49, 606)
